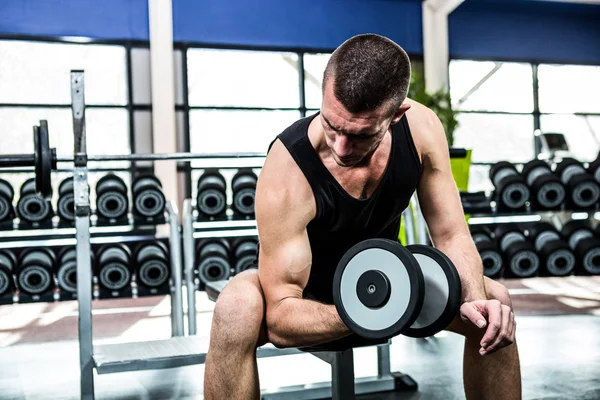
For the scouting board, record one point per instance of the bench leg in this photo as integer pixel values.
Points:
(342, 374)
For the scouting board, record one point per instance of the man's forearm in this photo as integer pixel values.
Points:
(300, 322)
(464, 255)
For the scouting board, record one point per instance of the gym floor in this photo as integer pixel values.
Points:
(558, 326)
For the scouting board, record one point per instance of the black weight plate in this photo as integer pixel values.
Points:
(406, 283)
(44, 161)
(443, 292)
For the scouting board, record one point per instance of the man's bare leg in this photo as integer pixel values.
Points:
(237, 330)
(496, 375)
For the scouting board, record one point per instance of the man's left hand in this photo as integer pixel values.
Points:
(498, 318)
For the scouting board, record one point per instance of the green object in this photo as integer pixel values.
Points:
(460, 171)
(402, 231)
(439, 102)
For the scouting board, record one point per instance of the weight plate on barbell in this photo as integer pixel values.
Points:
(442, 292)
(378, 288)
(45, 160)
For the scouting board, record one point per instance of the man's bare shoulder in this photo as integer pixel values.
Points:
(426, 128)
(282, 187)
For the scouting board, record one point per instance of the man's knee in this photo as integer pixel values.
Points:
(238, 317)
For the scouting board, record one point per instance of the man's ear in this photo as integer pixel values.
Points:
(404, 107)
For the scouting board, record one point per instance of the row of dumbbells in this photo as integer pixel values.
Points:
(112, 201)
(511, 252)
(41, 272)
(219, 259)
(211, 198)
(570, 185)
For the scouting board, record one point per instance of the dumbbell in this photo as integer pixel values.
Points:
(111, 197)
(211, 200)
(520, 257)
(382, 289)
(114, 267)
(488, 251)
(65, 208)
(67, 269)
(243, 185)
(594, 169)
(585, 246)
(583, 191)
(148, 197)
(511, 189)
(244, 254)
(152, 264)
(34, 273)
(7, 194)
(557, 259)
(213, 261)
(32, 207)
(547, 191)
(8, 263)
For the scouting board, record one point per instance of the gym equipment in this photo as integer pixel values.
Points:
(44, 158)
(547, 191)
(152, 265)
(585, 246)
(211, 200)
(7, 194)
(378, 288)
(443, 292)
(475, 203)
(243, 185)
(67, 270)
(556, 256)
(594, 168)
(488, 251)
(148, 197)
(245, 255)
(213, 261)
(34, 272)
(583, 191)
(31, 207)
(511, 189)
(65, 208)
(519, 255)
(111, 198)
(114, 268)
(8, 262)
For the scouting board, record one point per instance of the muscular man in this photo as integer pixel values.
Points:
(330, 181)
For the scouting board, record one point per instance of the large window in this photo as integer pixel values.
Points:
(498, 113)
(35, 85)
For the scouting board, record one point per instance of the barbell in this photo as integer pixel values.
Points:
(44, 158)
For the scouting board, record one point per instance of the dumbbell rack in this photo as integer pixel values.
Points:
(192, 230)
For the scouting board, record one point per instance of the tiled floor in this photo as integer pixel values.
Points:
(560, 353)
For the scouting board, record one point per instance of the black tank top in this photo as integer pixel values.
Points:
(341, 220)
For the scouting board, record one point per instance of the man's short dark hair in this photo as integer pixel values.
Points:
(369, 70)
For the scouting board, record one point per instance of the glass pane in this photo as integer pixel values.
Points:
(314, 66)
(569, 88)
(479, 179)
(581, 132)
(107, 131)
(496, 137)
(38, 73)
(216, 131)
(491, 86)
(242, 78)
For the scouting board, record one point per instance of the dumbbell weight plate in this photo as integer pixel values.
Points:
(442, 292)
(367, 269)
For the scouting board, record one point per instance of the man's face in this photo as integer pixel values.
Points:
(351, 137)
